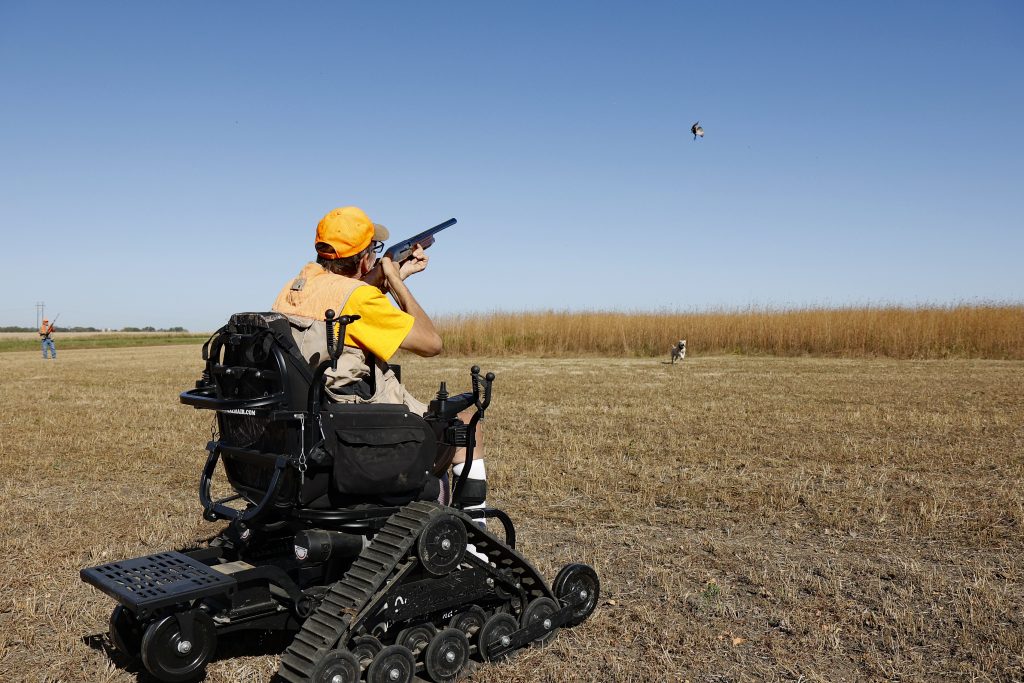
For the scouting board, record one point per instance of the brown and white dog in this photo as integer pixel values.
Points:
(678, 351)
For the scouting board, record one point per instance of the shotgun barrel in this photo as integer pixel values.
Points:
(403, 250)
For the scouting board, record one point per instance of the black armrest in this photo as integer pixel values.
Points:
(206, 398)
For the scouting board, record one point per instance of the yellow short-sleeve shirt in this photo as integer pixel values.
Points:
(381, 328)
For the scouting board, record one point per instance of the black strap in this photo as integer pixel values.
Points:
(206, 346)
(284, 338)
(371, 362)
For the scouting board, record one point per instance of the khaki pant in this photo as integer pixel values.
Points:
(389, 390)
(310, 337)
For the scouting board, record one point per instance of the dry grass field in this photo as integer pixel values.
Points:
(752, 518)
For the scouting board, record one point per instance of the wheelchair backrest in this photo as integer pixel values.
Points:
(340, 454)
(254, 359)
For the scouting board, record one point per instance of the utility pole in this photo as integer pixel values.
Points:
(40, 313)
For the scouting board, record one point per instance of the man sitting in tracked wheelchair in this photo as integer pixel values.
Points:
(334, 467)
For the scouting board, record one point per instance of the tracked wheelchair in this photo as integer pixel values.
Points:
(334, 532)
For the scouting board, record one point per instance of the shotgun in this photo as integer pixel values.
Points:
(403, 250)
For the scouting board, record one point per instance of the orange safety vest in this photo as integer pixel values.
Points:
(314, 291)
(304, 300)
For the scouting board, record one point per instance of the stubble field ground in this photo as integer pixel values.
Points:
(784, 519)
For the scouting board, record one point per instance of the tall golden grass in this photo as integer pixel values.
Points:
(962, 331)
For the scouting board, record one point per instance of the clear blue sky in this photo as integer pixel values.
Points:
(166, 163)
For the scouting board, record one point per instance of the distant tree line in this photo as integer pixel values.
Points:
(153, 329)
(61, 328)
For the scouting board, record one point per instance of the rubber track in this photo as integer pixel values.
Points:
(329, 623)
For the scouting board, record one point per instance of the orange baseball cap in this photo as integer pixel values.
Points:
(347, 231)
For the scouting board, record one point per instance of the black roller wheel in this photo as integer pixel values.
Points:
(441, 544)
(393, 664)
(365, 648)
(470, 621)
(416, 638)
(540, 611)
(337, 666)
(577, 583)
(172, 658)
(125, 631)
(446, 655)
(495, 634)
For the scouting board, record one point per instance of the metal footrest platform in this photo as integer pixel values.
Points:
(147, 583)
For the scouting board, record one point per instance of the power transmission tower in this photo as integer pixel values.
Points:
(40, 313)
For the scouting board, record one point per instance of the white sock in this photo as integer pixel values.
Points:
(477, 470)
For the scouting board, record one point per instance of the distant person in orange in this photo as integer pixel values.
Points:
(349, 279)
(45, 334)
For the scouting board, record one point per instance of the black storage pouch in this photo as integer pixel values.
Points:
(378, 449)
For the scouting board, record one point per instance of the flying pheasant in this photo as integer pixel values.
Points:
(697, 130)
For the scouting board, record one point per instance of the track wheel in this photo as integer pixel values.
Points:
(441, 544)
(416, 638)
(173, 658)
(337, 666)
(470, 621)
(393, 664)
(577, 583)
(540, 610)
(365, 648)
(447, 653)
(125, 631)
(495, 634)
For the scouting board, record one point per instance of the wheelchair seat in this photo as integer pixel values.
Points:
(287, 453)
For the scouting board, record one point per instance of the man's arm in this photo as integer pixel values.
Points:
(423, 339)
